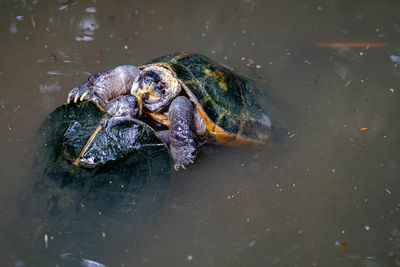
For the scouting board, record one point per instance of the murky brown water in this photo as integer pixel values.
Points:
(326, 195)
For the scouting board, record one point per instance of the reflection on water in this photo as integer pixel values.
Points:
(325, 195)
(86, 27)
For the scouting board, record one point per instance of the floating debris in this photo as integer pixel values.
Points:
(33, 21)
(91, 10)
(252, 68)
(342, 244)
(46, 241)
(363, 129)
(53, 58)
(347, 84)
(316, 78)
(388, 191)
(253, 243)
(395, 59)
(360, 45)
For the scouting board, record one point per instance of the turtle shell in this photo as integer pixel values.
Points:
(227, 101)
(91, 137)
(124, 188)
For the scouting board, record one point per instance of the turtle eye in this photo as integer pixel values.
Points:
(147, 79)
(150, 77)
(160, 87)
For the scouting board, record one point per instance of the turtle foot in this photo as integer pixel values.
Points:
(183, 166)
(178, 166)
(80, 93)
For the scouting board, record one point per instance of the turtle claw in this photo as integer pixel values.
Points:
(183, 166)
(78, 94)
(177, 166)
(76, 98)
(84, 96)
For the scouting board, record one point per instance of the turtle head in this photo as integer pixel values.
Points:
(155, 88)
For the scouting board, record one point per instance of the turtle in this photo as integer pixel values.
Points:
(196, 98)
(93, 173)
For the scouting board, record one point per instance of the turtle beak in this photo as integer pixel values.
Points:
(148, 94)
(139, 100)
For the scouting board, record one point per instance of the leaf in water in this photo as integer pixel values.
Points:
(343, 244)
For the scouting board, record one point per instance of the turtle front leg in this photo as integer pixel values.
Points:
(105, 86)
(182, 136)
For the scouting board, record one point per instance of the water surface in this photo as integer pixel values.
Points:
(325, 195)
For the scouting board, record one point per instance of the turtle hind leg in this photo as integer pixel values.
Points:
(182, 136)
(104, 86)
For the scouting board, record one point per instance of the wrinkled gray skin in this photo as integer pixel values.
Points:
(111, 90)
(123, 106)
(105, 86)
(182, 136)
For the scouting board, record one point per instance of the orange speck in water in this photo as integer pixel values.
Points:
(363, 129)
